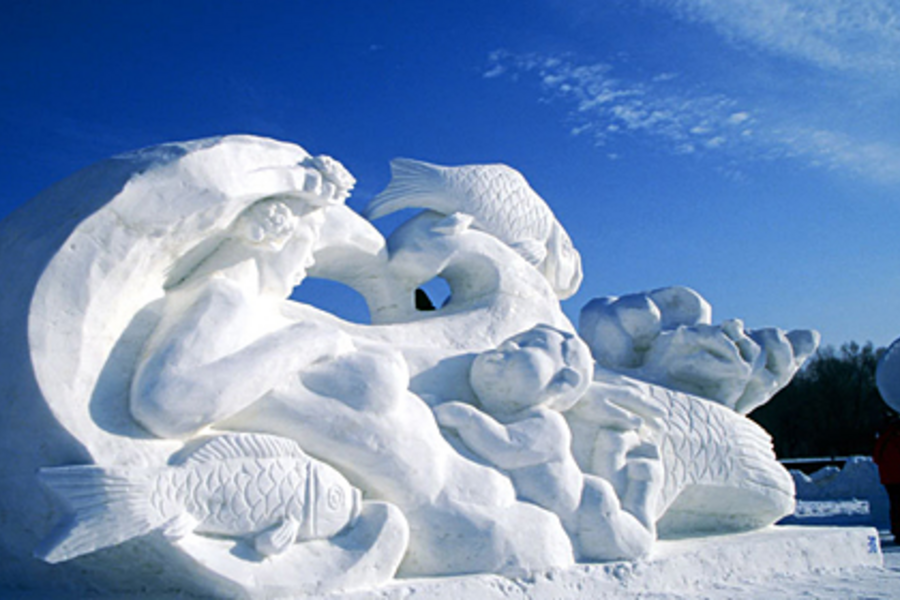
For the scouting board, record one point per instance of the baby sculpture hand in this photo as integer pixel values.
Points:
(453, 415)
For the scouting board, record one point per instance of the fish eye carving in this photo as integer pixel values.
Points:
(335, 498)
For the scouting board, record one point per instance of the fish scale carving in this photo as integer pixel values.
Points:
(234, 485)
(705, 443)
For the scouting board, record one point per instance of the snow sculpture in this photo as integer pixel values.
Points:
(666, 337)
(499, 201)
(524, 384)
(187, 418)
(234, 486)
(721, 473)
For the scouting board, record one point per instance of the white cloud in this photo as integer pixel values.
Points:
(856, 35)
(838, 151)
(606, 106)
(679, 120)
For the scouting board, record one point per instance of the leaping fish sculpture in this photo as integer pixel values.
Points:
(241, 485)
(501, 203)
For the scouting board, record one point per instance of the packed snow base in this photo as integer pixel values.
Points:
(741, 565)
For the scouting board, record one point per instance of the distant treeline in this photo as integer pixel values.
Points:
(831, 408)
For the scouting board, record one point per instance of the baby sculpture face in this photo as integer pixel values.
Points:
(517, 374)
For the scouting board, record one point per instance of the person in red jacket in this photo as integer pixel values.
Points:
(886, 455)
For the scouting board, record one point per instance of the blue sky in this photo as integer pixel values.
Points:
(749, 149)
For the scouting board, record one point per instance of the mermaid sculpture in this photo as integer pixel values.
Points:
(180, 353)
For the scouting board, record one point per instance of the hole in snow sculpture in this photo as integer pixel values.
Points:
(432, 294)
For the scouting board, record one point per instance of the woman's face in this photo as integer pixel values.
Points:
(283, 270)
(283, 266)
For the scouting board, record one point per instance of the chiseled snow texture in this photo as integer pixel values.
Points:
(777, 562)
(858, 480)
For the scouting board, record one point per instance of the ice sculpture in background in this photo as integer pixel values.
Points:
(172, 396)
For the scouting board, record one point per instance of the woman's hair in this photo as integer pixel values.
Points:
(269, 223)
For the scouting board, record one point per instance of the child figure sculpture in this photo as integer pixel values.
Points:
(523, 385)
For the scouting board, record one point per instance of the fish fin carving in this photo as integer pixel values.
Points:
(180, 526)
(108, 507)
(245, 445)
(276, 540)
(531, 250)
(414, 184)
(454, 224)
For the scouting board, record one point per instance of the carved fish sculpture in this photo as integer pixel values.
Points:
(721, 473)
(501, 202)
(722, 461)
(238, 485)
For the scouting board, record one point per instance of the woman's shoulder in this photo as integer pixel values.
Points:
(211, 293)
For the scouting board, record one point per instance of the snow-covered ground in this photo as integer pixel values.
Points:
(861, 582)
(850, 496)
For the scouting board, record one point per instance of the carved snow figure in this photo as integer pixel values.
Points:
(225, 353)
(103, 248)
(666, 337)
(150, 307)
(721, 473)
(488, 282)
(356, 412)
(523, 385)
(255, 486)
(501, 202)
(221, 343)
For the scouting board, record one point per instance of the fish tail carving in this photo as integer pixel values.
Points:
(414, 184)
(108, 506)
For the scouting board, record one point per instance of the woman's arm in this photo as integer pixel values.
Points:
(204, 364)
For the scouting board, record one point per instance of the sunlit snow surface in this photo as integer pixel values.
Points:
(860, 582)
(849, 583)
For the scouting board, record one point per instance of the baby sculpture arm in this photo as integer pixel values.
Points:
(534, 440)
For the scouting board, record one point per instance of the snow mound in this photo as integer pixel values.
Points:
(844, 489)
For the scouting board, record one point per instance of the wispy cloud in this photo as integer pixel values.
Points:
(677, 118)
(606, 106)
(833, 150)
(854, 35)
